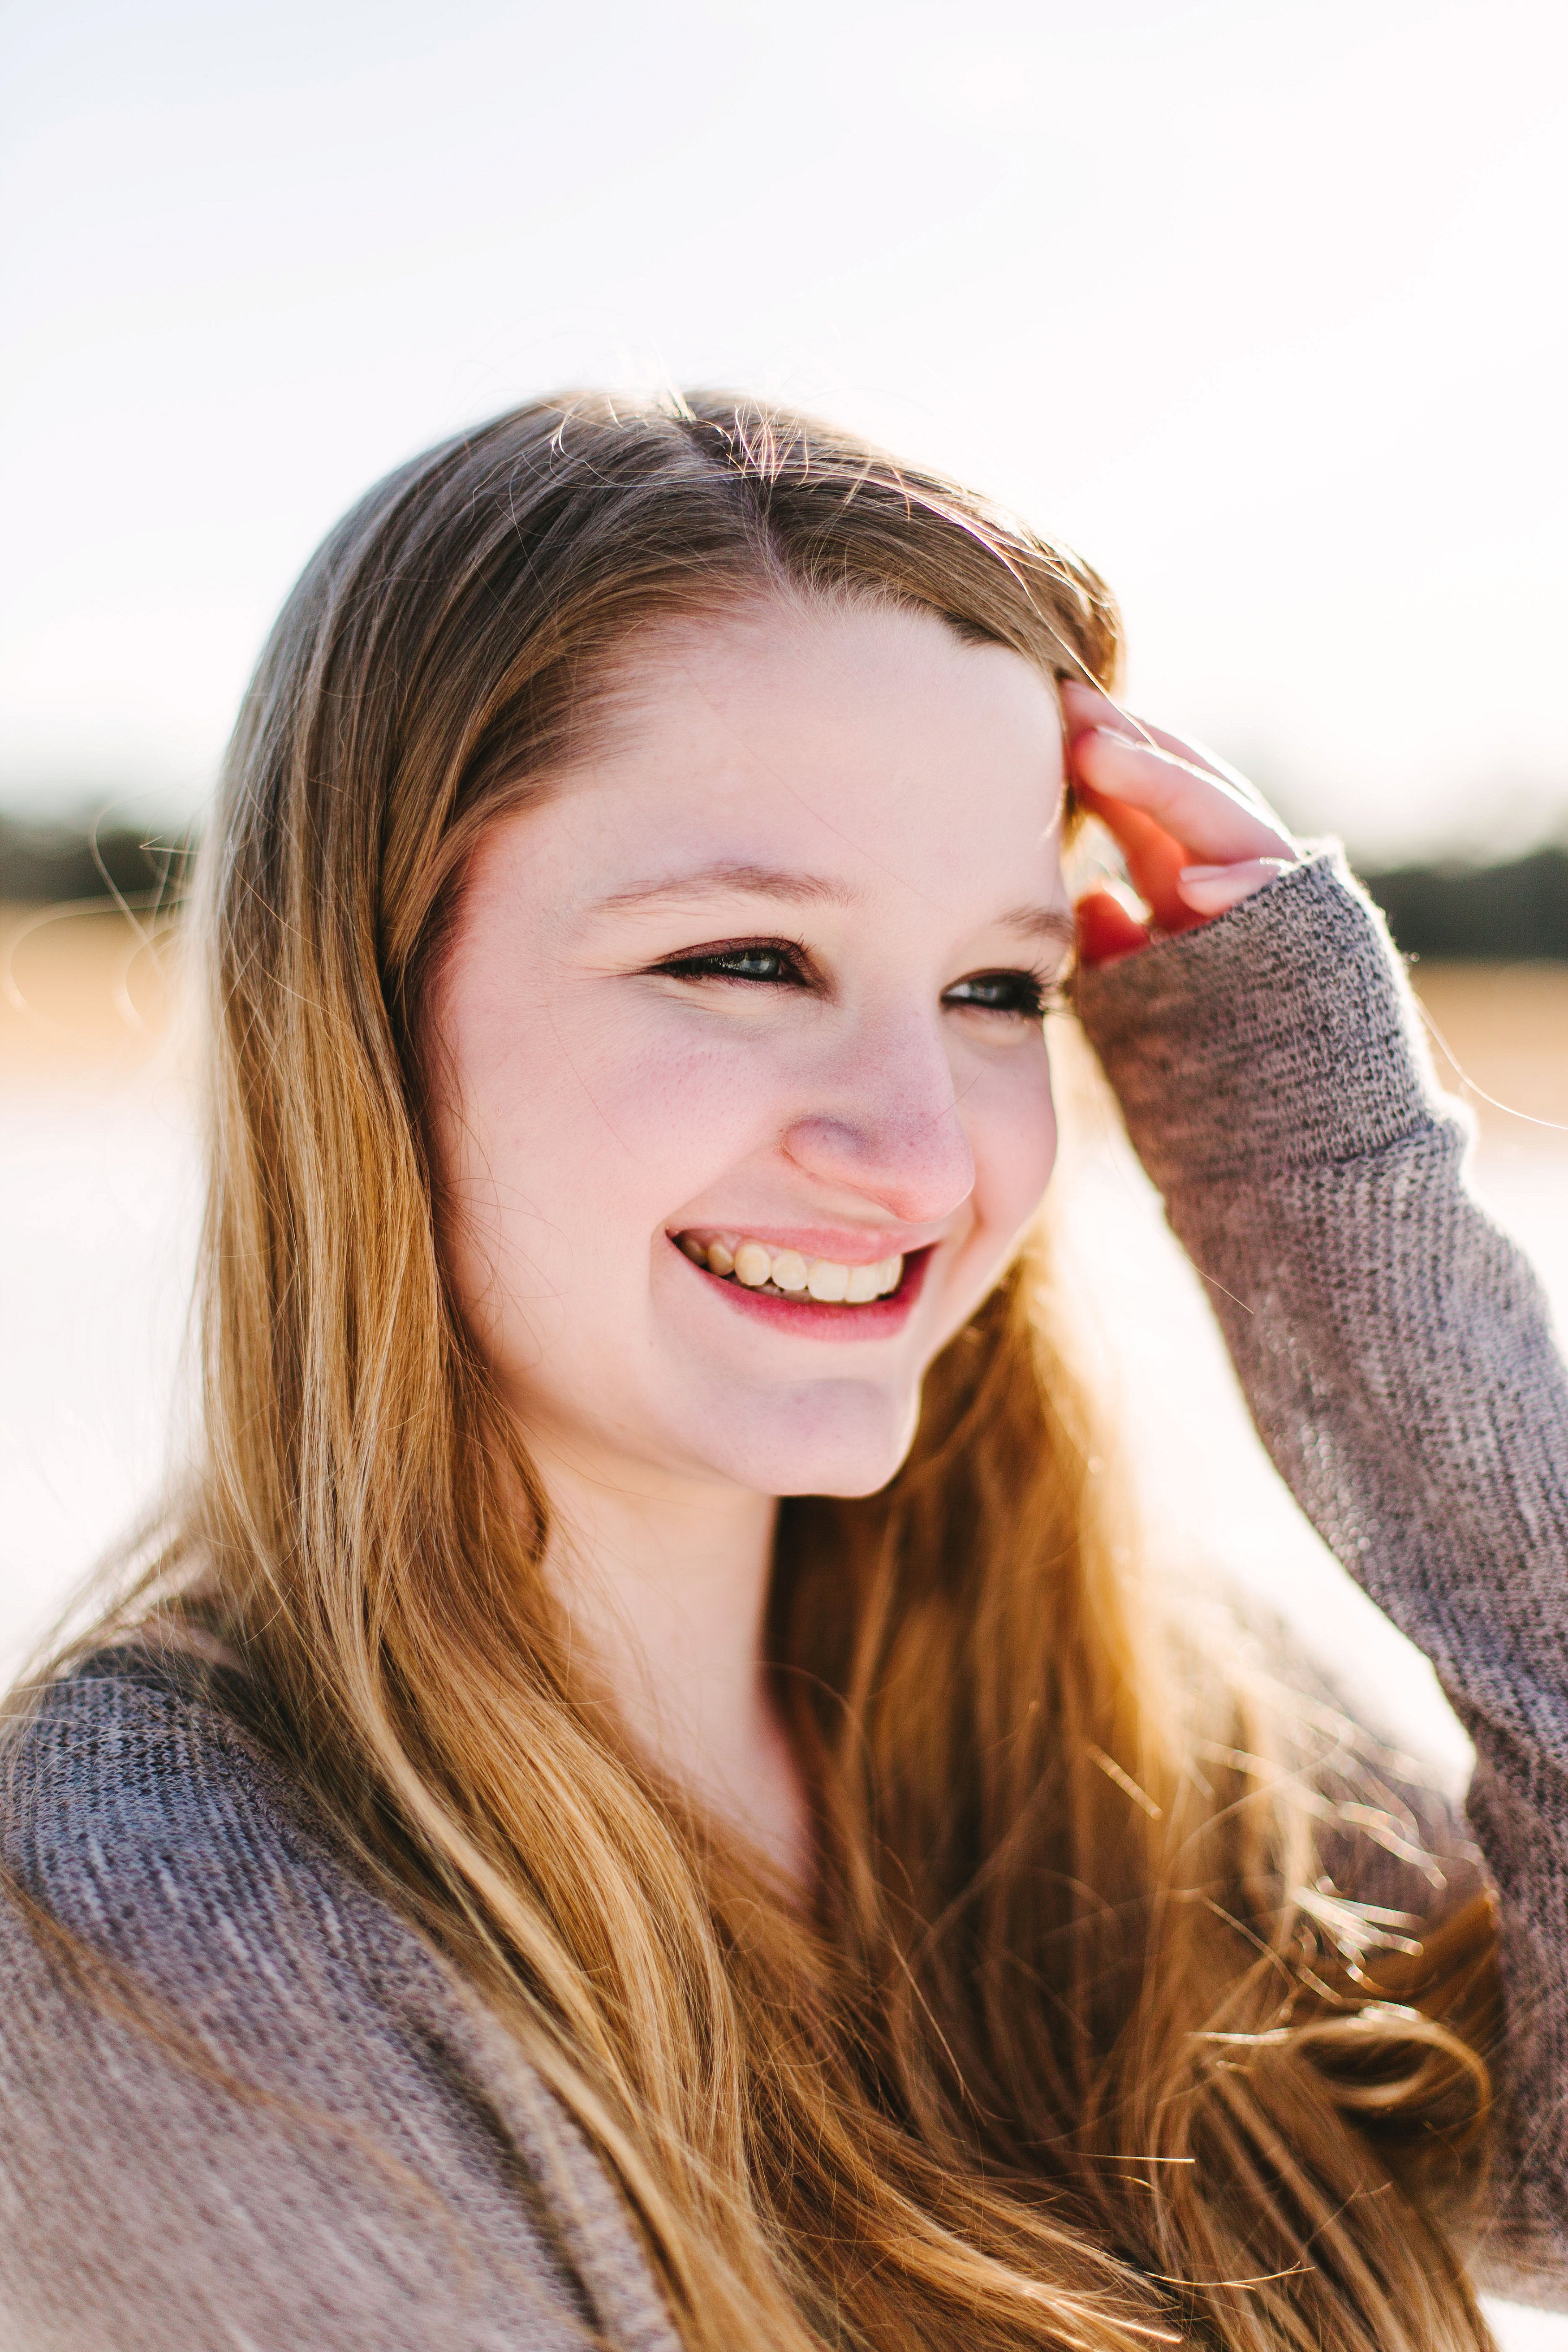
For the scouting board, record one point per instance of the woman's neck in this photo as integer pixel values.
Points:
(666, 1584)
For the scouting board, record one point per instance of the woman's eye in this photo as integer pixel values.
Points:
(772, 966)
(1022, 993)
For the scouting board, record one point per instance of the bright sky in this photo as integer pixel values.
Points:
(1258, 302)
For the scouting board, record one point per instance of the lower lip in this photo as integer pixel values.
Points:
(808, 1319)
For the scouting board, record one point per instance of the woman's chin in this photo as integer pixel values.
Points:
(852, 1448)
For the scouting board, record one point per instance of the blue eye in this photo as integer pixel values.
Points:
(1021, 993)
(769, 967)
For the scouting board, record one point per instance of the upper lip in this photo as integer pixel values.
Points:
(839, 1244)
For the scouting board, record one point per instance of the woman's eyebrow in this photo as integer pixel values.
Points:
(1053, 923)
(748, 881)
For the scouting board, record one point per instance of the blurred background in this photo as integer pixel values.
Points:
(1260, 303)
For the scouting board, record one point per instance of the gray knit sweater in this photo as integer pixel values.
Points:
(362, 2165)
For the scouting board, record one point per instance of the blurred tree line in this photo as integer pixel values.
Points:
(70, 862)
(1513, 912)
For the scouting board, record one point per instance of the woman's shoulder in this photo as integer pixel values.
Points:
(157, 1857)
(134, 1804)
(205, 2003)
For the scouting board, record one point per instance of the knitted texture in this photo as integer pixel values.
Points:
(278, 2124)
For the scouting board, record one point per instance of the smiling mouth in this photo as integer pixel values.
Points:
(785, 1274)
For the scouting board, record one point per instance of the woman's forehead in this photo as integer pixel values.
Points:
(856, 666)
(841, 745)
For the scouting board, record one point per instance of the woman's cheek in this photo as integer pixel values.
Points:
(687, 1106)
(1013, 1133)
(1013, 1139)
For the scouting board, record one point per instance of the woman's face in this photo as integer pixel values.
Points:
(759, 983)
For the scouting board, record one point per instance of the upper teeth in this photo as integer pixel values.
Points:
(756, 1266)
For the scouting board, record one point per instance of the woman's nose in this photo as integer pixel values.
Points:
(890, 1128)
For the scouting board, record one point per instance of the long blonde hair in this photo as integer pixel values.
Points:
(1058, 2057)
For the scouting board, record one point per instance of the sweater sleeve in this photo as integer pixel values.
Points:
(240, 2103)
(1396, 1354)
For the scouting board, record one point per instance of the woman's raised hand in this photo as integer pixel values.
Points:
(1197, 838)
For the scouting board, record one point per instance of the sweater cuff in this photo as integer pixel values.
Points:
(1281, 1035)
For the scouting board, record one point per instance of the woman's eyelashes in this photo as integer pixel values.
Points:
(765, 963)
(1026, 995)
(784, 963)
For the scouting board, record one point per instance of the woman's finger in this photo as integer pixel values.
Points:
(1196, 838)
(1087, 705)
(1206, 813)
(1105, 928)
(1154, 858)
(1213, 890)
(1084, 706)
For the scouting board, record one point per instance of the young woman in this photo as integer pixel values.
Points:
(640, 1798)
